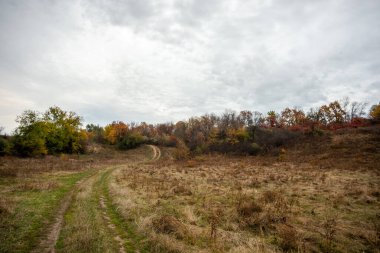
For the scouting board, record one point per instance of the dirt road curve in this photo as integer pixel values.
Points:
(156, 152)
(48, 243)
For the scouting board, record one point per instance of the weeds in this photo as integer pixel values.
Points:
(329, 226)
(246, 208)
(168, 224)
(288, 237)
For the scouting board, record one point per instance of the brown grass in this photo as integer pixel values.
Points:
(258, 204)
(321, 195)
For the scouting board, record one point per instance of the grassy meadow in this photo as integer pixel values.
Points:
(319, 195)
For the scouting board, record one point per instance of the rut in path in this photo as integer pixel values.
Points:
(47, 245)
(111, 226)
(106, 217)
(156, 153)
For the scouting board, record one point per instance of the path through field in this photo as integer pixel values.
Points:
(156, 152)
(48, 243)
(87, 220)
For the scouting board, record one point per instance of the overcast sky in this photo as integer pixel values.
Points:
(159, 61)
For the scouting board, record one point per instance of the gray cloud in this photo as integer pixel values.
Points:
(167, 60)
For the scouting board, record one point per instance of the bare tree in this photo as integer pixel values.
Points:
(357, 110)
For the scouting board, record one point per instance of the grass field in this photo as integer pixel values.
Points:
(318, 196)
(321, 195)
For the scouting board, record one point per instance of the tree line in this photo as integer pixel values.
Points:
(57, 131)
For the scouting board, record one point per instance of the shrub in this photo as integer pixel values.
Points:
(130, 141)
(29, 144)
(167, 140)
(237, 148)
(168, 224)
(317, 132)
(95, 133)
(200, 149)
(274, 137)
(254, 149)
(288, 237)
(4, 146)
(181, 152)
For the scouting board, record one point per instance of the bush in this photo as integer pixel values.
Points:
(288, 237)
(254, 149)
(167, 140)
(274, 137)
(317, 132)
(96, 133)
(200, 149)
(130, 141)
(4, 146)
(236, 148)
(31, 143)
(168, 224)
(181, 152)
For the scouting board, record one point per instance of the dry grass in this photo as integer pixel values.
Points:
(83, 227)
(318, 196)
(31, 190)
(28, 167)
(216, 203)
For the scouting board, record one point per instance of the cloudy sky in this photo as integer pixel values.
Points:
(159, 61)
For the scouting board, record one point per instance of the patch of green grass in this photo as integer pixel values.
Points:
(126, 230)
(33, 210)
(84, 229)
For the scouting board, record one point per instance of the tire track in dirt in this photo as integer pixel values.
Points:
(110, 225)
(47, 244)
(156, 152)
(118, 238)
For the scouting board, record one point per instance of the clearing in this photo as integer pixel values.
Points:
(321, 195)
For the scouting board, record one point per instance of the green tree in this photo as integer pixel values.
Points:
(30, 136)
(64, 135)
(55, 131)
(4, 143)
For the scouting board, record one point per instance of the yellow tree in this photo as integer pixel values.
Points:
(115, 131)
(375, 112)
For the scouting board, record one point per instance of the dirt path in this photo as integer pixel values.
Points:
(47, 244)
(118, 238)
(156, 152)
(110, 225)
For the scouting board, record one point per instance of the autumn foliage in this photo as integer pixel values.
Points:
(247, 132)
(375, 112)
